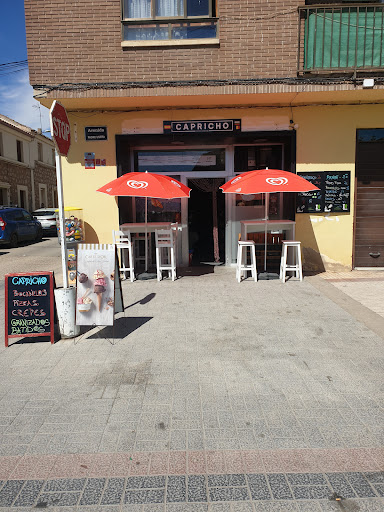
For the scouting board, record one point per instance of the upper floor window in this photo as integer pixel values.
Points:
(1, 144)
(169, 20)
(39, 151)
(19, 150)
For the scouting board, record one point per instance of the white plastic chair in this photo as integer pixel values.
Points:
(165, 252)
(122, 241)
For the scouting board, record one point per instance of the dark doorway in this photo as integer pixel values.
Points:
(369, 203)
(201, 220)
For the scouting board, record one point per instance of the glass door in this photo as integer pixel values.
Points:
(196, 167)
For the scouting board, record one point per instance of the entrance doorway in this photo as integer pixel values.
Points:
(206, 221)
(369, 204)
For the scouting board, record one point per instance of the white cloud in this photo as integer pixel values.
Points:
(17, 102)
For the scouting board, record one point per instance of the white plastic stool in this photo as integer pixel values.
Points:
(294, 267)
(122, 240)
(242, 268)
(165, 242)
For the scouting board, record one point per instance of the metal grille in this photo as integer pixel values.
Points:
(340, 38)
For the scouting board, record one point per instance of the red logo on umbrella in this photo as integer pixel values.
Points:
(137, 184)
(277, 181)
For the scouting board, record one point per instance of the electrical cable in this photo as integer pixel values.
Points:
(300, 81)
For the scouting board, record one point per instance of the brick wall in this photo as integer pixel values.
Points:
(80, 41)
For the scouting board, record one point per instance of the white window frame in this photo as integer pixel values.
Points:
(43, 186)
(40, 153)
(23, 188)
(19, 142)
(164, 20)
(7, 187)
(54, 195)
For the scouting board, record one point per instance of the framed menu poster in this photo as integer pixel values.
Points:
(95, 284)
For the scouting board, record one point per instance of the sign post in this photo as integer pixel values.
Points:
(61, 134)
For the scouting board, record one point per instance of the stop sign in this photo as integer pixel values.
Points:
(60, 128)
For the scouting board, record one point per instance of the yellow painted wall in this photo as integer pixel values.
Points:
(326, 140)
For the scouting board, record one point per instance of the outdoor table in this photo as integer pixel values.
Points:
(139, 227)
(258, 226)
(269, 226)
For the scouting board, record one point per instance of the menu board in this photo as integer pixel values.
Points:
(29, 307)
(333, 196)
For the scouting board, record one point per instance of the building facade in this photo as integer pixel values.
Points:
(27, 167)
(205, 90)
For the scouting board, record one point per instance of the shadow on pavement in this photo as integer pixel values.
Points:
(144, 300)
(195, 271)
(34, 339)
(123, 327)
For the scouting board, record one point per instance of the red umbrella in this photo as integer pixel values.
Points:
(266, 181)
(146, 185)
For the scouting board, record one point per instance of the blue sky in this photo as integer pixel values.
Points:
(16, 94)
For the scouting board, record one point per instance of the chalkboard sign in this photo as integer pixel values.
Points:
(29, 305)
(333, 196)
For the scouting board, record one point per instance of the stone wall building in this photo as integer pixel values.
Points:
(27, 167)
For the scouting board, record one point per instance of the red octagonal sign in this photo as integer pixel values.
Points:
(60, 128)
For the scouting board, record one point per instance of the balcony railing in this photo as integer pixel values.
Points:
(339, 38)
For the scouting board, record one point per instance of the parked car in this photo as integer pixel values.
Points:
(46, 216)
(16, 225)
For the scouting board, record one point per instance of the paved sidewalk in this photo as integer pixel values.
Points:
(366, 287)
(208, 395)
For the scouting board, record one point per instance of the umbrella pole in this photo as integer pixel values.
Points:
(146, 234)
(266, 229)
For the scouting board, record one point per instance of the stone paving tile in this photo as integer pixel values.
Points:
(93, 491)
(280, 506)
(29, 493)
(228, 493)
(113, 492)
(147, 482)
(340, 485)
(279, 486)
(9, 492)
(65, 484)
(360, 485)
(58, 499)
(176, 489)
(197, 488)
(144, 496)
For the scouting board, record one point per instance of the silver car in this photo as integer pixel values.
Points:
(47, 218)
